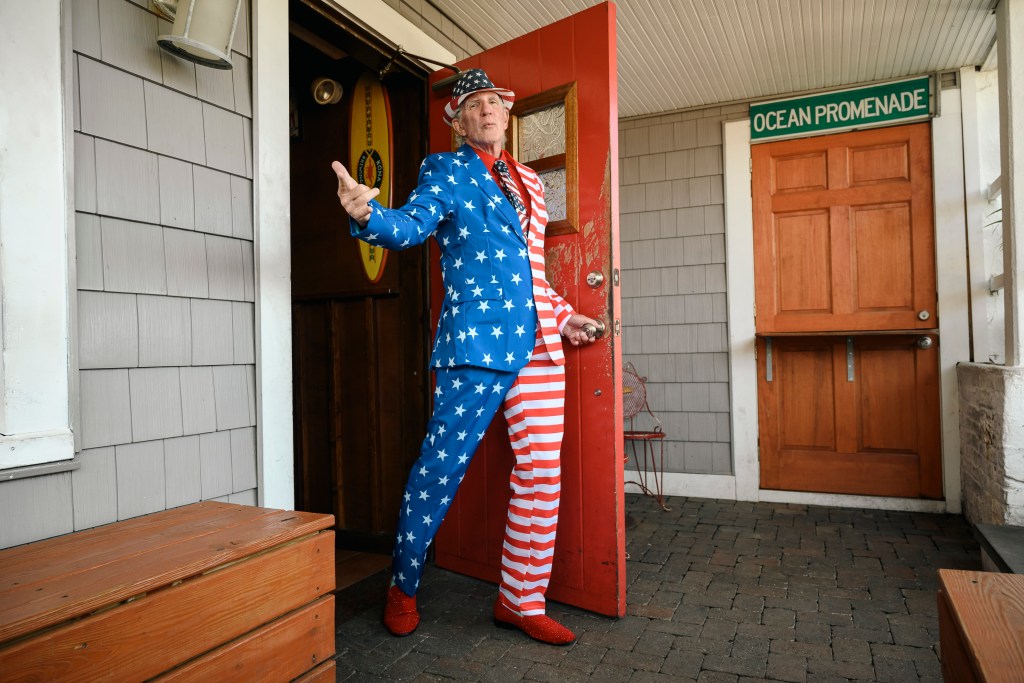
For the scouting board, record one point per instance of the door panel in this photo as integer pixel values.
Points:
(888, 419)
(803, 245)
(589, 563)
(807, 393)
(882, 254)
(875, 186)
(872, 432)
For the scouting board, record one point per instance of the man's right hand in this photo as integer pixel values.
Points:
(355, 197)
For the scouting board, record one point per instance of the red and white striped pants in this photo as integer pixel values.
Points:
(466, 400)
(534, 409)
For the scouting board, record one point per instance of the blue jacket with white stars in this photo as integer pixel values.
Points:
(488, 318)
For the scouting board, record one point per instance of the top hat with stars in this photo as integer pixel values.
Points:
(474, 80)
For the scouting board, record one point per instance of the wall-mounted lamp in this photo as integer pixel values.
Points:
(326, 91)
(202, 31)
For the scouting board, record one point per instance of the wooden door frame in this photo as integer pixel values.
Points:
(951, 257)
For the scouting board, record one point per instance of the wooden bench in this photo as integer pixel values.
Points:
(981, 626)
(210, 591)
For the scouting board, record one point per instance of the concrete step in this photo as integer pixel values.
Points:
(1002, 547)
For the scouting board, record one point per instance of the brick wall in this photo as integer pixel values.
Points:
(992, 443)
(672, 230)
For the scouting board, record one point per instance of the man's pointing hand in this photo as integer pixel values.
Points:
(355, 197)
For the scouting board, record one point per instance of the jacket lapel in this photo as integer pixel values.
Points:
(479, 171)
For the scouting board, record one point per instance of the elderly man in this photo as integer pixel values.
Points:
(497, 344)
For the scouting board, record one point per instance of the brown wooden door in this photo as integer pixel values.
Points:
(855, 415)
(845, 290)
(359, 347)
(843, 236)
(589, 565)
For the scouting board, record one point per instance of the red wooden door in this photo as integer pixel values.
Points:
(589, 566)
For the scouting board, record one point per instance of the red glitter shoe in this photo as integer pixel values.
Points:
(540, 627)
(400, 614)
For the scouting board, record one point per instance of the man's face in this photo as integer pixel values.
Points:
(482, 121)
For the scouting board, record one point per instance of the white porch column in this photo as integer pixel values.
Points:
(36, 233)
(1010, 37)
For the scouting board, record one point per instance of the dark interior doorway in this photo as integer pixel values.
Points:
(359, 347)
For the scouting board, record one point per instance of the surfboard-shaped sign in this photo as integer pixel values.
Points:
(370, 145)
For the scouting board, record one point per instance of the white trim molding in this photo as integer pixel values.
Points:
(739, 273)
(36, 234)
(952, 280)
(272, 256)
(689, 485)
(383, 20)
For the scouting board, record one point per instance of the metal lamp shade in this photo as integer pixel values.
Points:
(203, 31)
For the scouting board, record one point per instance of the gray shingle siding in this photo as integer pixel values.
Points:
(165, 335)
(672, 230)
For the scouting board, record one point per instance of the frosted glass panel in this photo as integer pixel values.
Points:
(554, 193)
(542, 134)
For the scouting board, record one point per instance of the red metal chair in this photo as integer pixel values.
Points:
(651, 442)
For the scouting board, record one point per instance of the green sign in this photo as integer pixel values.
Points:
(830, 112)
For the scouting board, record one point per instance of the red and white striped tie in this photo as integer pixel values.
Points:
(508, 186)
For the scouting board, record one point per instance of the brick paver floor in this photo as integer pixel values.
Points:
(717, 591)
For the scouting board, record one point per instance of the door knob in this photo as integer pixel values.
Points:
(595, 278)
(594, 331)
(924, 342)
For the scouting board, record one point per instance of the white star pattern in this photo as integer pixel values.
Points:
(481, 256)
(500, 255)
(496, 332)
(484, 306)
